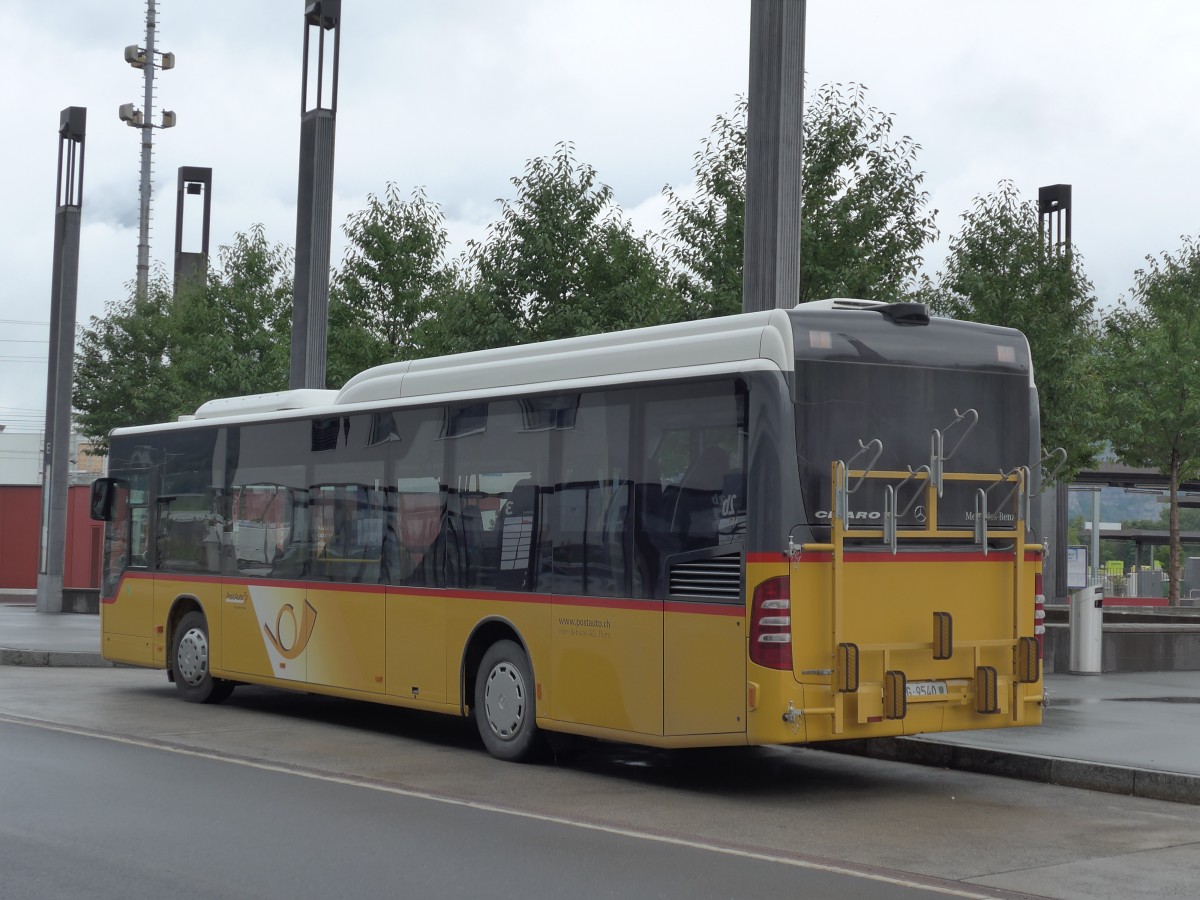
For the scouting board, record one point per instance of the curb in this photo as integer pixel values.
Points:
(62, 658)
(1176, 787)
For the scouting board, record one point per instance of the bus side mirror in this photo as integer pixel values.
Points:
(103, 492)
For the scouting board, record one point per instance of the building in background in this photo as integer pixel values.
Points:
(20, 519)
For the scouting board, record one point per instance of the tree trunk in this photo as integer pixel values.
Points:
(1174, 573)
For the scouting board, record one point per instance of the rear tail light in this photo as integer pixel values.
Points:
(1039, 615)
(771, 624)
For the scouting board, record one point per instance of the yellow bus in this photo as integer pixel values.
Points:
(779, 527)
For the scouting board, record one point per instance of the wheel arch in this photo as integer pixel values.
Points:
(485, 633)
(180, 607)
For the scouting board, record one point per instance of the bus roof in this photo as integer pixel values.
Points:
(758, 340)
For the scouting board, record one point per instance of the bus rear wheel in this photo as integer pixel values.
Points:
(504, 703)
(189, 663)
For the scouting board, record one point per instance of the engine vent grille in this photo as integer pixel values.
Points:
(715, 578)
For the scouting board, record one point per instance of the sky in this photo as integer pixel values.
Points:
(456, 96)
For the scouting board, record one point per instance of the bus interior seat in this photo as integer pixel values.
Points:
(516, 528)
(693, 517)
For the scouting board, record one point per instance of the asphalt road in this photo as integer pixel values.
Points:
(326, 796)
(91, 817)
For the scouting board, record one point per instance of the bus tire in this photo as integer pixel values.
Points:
(189, 663)
(505, 711)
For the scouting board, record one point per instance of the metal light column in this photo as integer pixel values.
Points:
(64, 289)
(190, 265)
(1054, 233)
(314, 203)
(774, 147)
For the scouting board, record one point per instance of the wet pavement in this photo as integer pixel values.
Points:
(1132, 733)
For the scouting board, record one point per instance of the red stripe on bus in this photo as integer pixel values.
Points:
(766, 557)
(132, 576)
(646, 605)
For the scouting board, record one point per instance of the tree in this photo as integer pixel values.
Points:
(561, 261)
(391, 280)
(122, 374)
(865, 217)
(1151, 355)
(232, 333)
(152, 358)
(998, 271)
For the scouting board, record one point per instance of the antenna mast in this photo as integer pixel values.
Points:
(144, 58)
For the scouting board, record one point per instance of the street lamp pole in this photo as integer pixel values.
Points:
(774, 148)
(64, 290)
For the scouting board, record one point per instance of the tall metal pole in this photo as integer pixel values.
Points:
(314, 201)
(191, 265)
(143, 260)
(64, 289)
(774, 147)
(1054, 233)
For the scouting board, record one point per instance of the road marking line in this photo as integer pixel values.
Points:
(362, 782)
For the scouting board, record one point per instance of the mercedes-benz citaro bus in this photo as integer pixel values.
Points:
(779, 527)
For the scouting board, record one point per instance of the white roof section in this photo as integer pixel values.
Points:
(256, 404)
(748, 342)
(680, 347)
(842, 303)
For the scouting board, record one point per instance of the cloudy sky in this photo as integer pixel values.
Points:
(456, 95)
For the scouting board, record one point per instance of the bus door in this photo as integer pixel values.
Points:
(341, 631)
(265, 616)
(126, 613)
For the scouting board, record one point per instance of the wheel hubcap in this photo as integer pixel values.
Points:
(191, 660)
(504, 701)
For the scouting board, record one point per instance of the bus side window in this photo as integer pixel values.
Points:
(352, 520)
(490, 452)
(692, 477)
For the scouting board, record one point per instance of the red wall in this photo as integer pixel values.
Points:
(20, 516)
(85, 540)
(20, 521)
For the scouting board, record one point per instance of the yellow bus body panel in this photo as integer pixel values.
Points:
(704, 670)
(346, 646)
(127, 622)
(415, 649)
(606, 665)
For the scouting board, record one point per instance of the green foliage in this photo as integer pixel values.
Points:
(997, 272)
(393, 278)
(1151, 353)
(152, 358)
(561, 261)
(232, 334)
(122, 376)
(865, 217)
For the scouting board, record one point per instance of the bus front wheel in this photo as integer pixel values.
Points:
(189, 662)
(504, 702)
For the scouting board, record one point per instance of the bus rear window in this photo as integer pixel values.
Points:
(839, 404)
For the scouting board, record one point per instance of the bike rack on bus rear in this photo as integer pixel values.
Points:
(844, 673)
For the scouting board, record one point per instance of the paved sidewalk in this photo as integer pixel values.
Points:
(1131, 733)
(28, 638)
(1127, 733)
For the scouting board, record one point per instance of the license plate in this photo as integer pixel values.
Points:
(927, 689)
